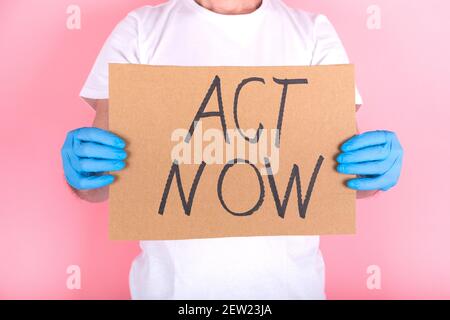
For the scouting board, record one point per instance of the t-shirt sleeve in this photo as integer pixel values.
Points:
(122, 46)
(329, 48)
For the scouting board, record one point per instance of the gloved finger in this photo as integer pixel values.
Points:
(366, 168)
(375, 153)
(82, 182)
(383, 182)
(86, 165)
(365, 140)
(367, 184)
(92, 182)
(98, 151)
(99, 136)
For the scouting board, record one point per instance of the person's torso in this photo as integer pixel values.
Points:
(183, 33)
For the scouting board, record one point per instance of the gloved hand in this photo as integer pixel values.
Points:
(89, 152)
(376, 157)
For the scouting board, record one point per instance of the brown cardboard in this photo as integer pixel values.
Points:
(148, 102)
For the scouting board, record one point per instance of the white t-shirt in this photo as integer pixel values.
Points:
(181, 32)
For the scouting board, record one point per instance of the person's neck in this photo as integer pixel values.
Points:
(230, 7)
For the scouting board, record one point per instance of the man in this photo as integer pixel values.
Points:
(236, 33)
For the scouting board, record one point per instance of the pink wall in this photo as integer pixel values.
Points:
(403, 74)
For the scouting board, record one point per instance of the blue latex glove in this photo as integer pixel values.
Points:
(376, 157)
(88, 153)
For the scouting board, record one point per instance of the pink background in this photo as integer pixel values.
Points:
(403, 75)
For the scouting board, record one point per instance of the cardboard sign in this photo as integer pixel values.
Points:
(231, 151)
